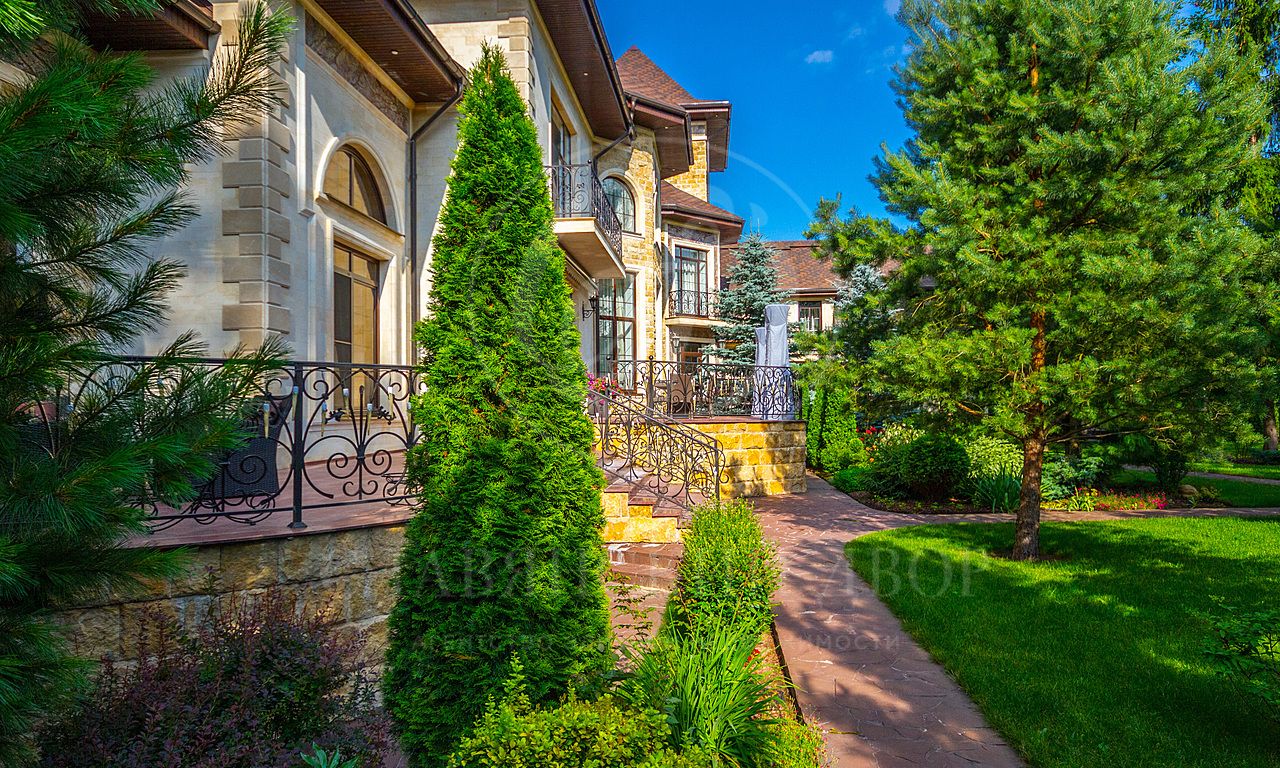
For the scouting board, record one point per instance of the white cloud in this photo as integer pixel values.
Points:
(820, 57)
(855, 33)
(891, 7)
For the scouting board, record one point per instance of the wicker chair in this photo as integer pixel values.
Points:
(251, 470)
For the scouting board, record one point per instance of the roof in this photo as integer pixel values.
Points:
(678, 203)
(799, 271)
(577, 34)
(642, 77)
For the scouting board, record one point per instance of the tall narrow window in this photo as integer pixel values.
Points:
(350, 181)
(690, 296)
(355, 306)
(624, 205)
(811, 316)
(617, 318)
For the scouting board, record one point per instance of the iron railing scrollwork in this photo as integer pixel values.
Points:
(576, 192)
(693, 303)
(655, 453)
(700, 390)
(318, 435)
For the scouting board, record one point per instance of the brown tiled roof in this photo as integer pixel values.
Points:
(676, 201)
(799, 271)
(640, 75)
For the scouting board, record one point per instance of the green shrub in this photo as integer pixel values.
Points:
(887, 455)
(796, 745)
(990, 456)
(574, 734)
(853, 479)
(708, 682)
(832, 438)
(503, 556)
(1061, 476)
(319, 758)
(729, 572)
(933, 466)
(999, 491)
(1246, 651)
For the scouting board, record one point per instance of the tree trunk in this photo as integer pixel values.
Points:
(1026, 537)
(1270, 432)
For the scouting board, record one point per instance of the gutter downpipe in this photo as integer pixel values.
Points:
(414, 290)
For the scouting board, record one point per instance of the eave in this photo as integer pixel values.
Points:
(671, 128)
(716, 114)
(182, 25)
(577, 35)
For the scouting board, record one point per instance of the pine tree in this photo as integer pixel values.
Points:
(753, 285)
(1253, 27)
(1070, 266)
(503, 558)
(91, 151)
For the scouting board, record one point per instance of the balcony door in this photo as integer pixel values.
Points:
(616, 350)
(690, 296)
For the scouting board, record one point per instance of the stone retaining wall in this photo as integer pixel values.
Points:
(347, 572)
(763, 458)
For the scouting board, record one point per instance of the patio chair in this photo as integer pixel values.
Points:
(681, 395)
(251, 470)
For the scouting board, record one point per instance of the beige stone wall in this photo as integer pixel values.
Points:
(349, 572)
(762, 458)
(694, 181)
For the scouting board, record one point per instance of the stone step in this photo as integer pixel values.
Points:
(650, 530)
(661, 555)
(654, 576)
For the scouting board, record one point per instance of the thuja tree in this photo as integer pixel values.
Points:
(503, 558)
(1069, 266)
(1253, 27)
(753, 285)
(91, 151)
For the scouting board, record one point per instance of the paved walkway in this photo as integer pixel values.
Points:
(882, 701)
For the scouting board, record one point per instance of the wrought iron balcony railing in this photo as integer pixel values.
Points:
(576, 193)
(701, 390)
(693, 304)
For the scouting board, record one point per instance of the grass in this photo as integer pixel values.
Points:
(1093, 658)
(1243, 470)
(1236, 493)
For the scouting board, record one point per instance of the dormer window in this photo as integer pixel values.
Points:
(623, 203)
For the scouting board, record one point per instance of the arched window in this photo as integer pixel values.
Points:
(350, 181)
(624, 205)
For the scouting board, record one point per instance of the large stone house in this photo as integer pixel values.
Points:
(319, 224)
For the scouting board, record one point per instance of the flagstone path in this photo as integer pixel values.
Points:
(879, 698)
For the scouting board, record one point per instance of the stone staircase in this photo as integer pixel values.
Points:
(632, 515)
(646, 565)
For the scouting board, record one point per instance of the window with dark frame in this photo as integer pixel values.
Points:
(691, 296)
(355, 306)
(811, 316)
(350, 181)
(617, 324)
(622, 202)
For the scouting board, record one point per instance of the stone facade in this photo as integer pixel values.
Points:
(695, 181)
(347, 572)
(762, 458)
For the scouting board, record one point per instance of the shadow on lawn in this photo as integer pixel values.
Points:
(1094, 659)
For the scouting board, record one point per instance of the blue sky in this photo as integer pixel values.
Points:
(809, 83)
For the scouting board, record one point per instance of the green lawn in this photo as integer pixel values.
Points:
(1237, 493)
(1094, 659)
(1243, 470)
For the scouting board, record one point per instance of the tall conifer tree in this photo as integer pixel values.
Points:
(753, 285)
(1070, 266)
(503, 557)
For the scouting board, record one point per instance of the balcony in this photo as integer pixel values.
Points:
(586, 226)
(697, 304)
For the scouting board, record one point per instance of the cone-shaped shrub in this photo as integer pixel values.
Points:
(503, 556)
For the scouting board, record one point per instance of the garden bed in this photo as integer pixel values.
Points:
(914, 507)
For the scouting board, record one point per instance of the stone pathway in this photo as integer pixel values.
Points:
(880, 699)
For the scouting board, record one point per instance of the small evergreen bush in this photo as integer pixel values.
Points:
(853, 479)
(603, 733)
(728, 572)
(254, 686)
(934, 465)
(832, 436)
(1061, 476)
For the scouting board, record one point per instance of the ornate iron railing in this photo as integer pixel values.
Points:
(320, 435)
(576, 192)
(693, 303)
(701, 390)
(655, 453)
